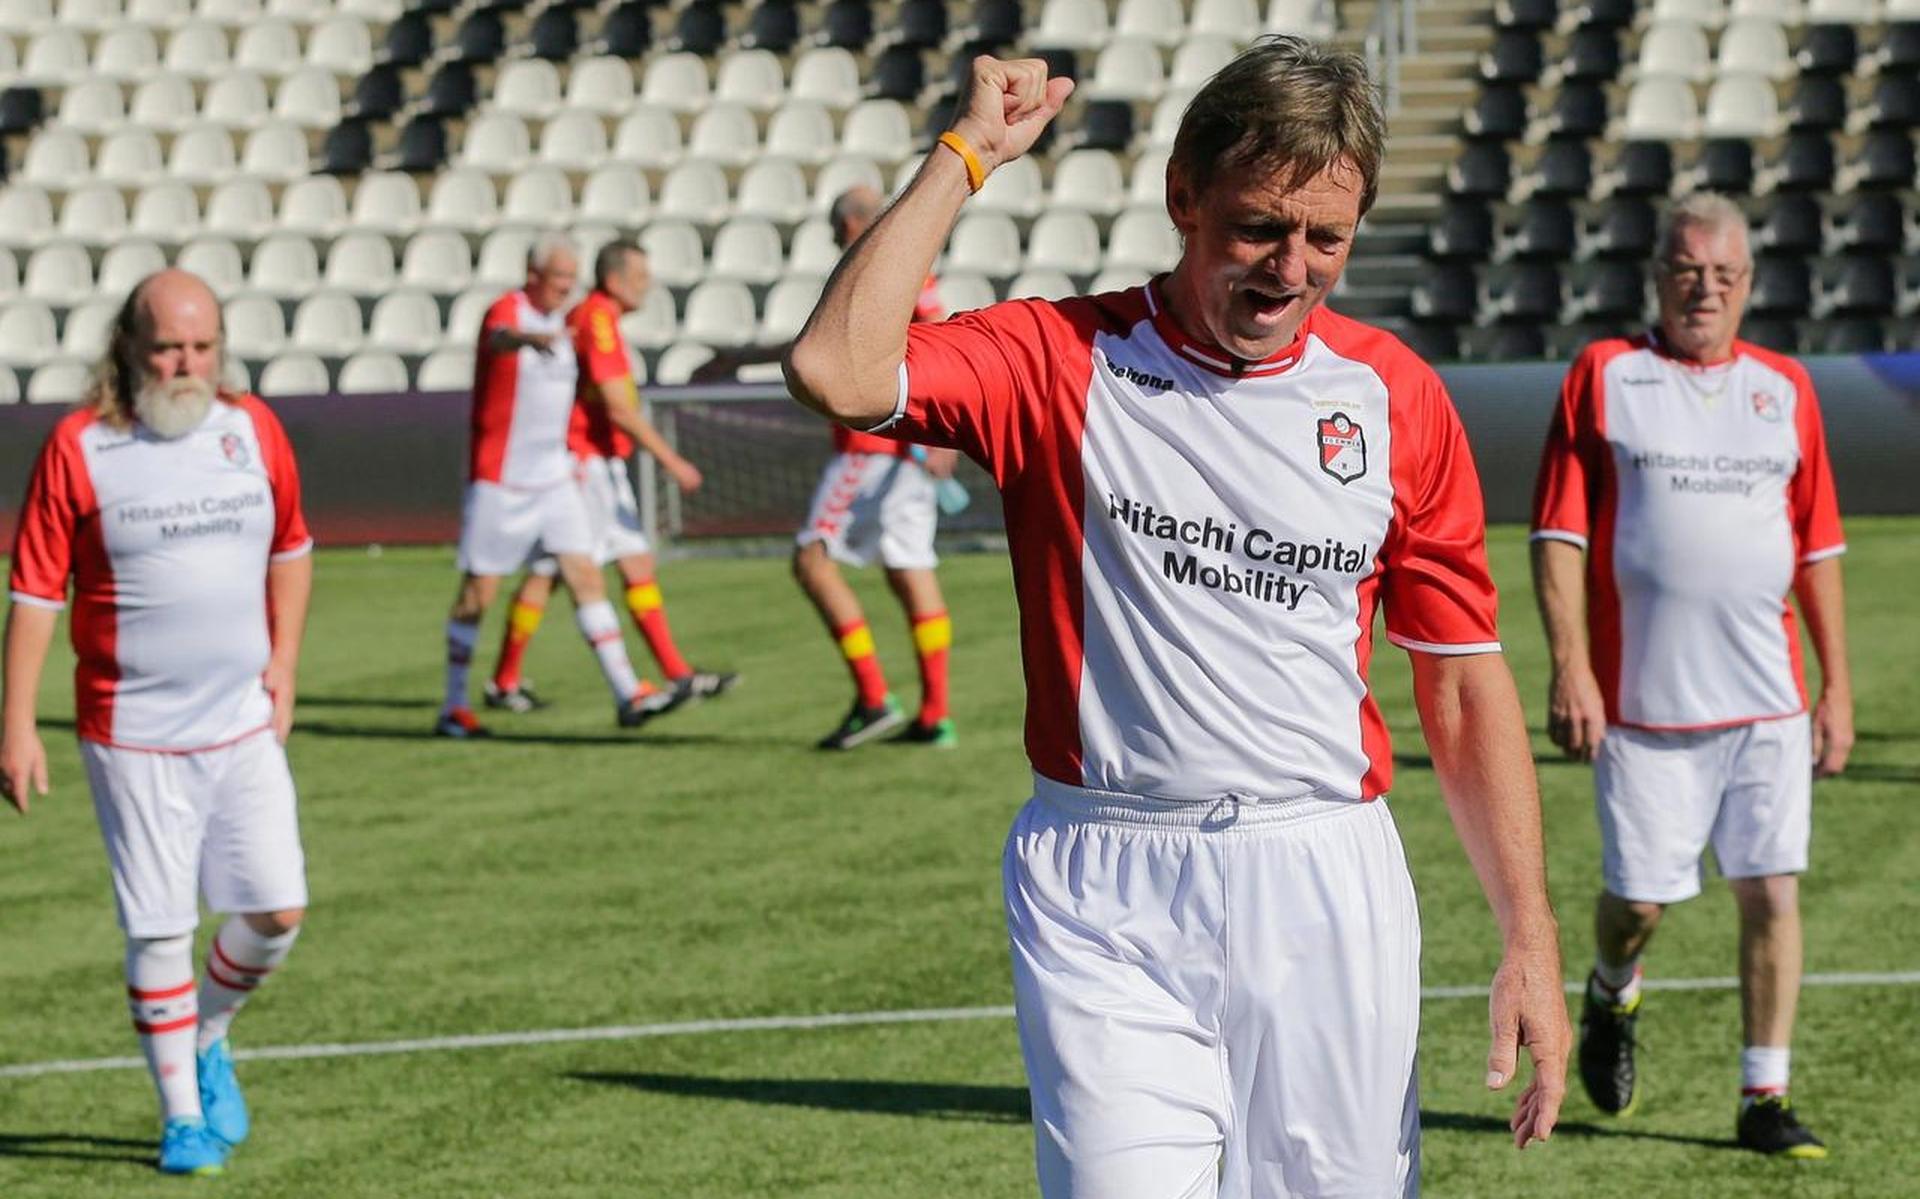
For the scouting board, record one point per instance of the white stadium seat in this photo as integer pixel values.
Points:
(159, 14)
(753, 78)
(241, 208)
(1235, 19)
(129, 158)
(588, 237)
(361, 264)
(1039, 284)
(301, 12)
(1199, 59)
(878, 129)
(1708, 14)
(985, 243)
(1127, 69)
(94, 215)
(58, 383)
(826, 75)
(164, 102)
(406, 321)
(680, 361)
(1677, 51)
(814, 251)
(462, 198)
(1755, 46)
(9, 274)
(1841, 12)
(676, 81)
(94, 15)
(1014, 188)
(28, 335)
(217, 261)
(464, 317)
(55, 56)
(1088, 181)
(256, 327)
(963, 291)
(9, 386)
(93, 106)
(1741, 106)
(199, 49)
(231, 13)
(327, 323)
(1782, 12)
(654, 324)
(309, 97)
(373, 373)
(166, 212)
(235, 377)
(1118, 278)
(125, 264)
(775, 190)
(56, 159)
(293, 374)
(675, 252)
(837, 176)
(649, 136)
(1071, 25)
(574, 141)
(1311, 19)
(527, 87)
(1661, 109)
(617, 194)
(725, 133)
(269, 46)
(284, 265)
(277, 151)
(600, 85)
(803, 131)
(202, 154)
(385, 202)
(1160, 21)
(695, 191)
(538, 196)
(1143, 238)
(497, 143)
(342, 45)
(789, 304)
(26, 215)
(84, 335)
(747, 249)
(59, 273)
(502, 262)
(236, 100)
(904, 173)
(438, 260)
(445, 370)
(1166, 118)
(1064, 241)
(127, 53)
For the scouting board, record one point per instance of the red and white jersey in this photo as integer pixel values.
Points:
(851, 441)
(1698, 492)
(522, 400)
(167, 544)
(1198, 548)
(594, 326)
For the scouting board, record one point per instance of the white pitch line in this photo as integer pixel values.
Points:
(632, 1032)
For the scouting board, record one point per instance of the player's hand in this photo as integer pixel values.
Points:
(685, 474)
(542, 342)
(721, 368)
(278, 679)
(1832, 733)
(1528, 1007)
(23, 765)
(1576, 715)
(1007, 106)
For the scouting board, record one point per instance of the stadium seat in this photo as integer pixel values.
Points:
(276, 151)
(1238, 20)
(1449, 292)
(813, 251)
(293, 374)
(827, 75)
(1564, 168)
(773, 190)
(1805, 163)
(649, 136)
(58, 383)
(1144, 238)
(1464, 230)
(1127, 69)
(1579, 110)
(1039, 284)
(1612, 291)
(538, 197)
(408, 41)
(1071, 25)
(301, 12)
(422, 148)
(574, 141)
(918, 25)
(269, 47)
(1781, 12)
(360, 264)
(600, 85)
(404, 322)
(59, 274)
(1147, 184)
(789, 303)
(1068, 242)
(93, 106)
(655, 324)
(445, 370)
(1707, 14)
(1858, 285)
(1827, 50)
(1781, 286)
(1592, 56)
(1675, 50)
(28, 335)
(125, 264)
(1528, 293)
(437, 260)
(877, 129)
(845, 25)
(616, 195)
(984, 243)
(93, 15)
(1160, 21)
(236, 100)
(383, 202)
(1118, 278)
(451, 92)
(465, 316)
(720, 312)
(93, 215)
(1841, 12)
(1546, 230)
(699, 28)
(1724, 165)
(801, 130)
(308, 98)
(496, 143)
(1499, 112)
(1754, 46)
(217, 261)
(166, 212)
(341, 45)
(695, 191)
(1088, 181)
(1793, 225)
(554, 35)
(1741, 106)
(840, 174)
(378, 95)
(202, 154)
(1639, 169)
(284, 265)
(84, 334)
(962, 291)
(1885, 161)
(1515, 57)
(675, 252)
(677, 82)
(1899, 52)
(127, 53)
(627, 32)
(1895, 104)
(899, 75)
(773, 26)
(327, 323)
(677, 364)
(1199, 59)
(1625, 228)
(1311, 19)
(528, 87)
(132, 157)
(1106, 125)
(1014, 188)
(256, 327)
(461, 199)
(1852, 337)
(164, 103)
(725, 133)
(1877, 222)
(1661, 108)
(56, 159)
(753, 78)
(748, 250)
(26, 215)
(9, 386)
(198, 49)
(55, 56)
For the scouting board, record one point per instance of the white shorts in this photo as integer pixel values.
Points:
(1664, 797)
(871, 506)
(613, 515)
(502, 529)
(222, 821)
(1215, 1000)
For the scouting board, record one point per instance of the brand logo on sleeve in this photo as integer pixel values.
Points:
(234, 448)
(1766, 407)
(1343, 447)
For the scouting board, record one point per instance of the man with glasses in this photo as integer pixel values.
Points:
(1690, 470)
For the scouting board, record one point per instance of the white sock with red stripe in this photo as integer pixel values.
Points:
(1763, 1070)
(1615, 982)
(161, 999)
(601, 628)
(238, 961)
(461, 638)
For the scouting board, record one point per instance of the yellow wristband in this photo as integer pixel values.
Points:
(976, 174)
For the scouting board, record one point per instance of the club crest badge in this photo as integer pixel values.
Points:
(1766, 407)
(1343, 447)
(234, 448)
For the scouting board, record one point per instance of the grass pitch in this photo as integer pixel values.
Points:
(569, 875)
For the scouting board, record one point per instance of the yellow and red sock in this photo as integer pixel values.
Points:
(650, 617)
(523, 619)
(856, 646)
(932, 636)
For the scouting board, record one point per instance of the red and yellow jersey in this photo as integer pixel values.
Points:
(848, 441)
(594, 327)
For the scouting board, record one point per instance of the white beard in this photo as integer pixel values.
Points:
(173, 408)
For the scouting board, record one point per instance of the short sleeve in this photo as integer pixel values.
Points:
(1814, 507)
(503, 315)
(290, 536)
(1569, 466)
(59, 496)
(1439, 593)
(597, 346)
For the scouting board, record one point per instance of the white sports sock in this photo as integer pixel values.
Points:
(1763, 1070)
(1621, 984)
(238, 960)
(461, 638)
(160, 997)
(601, 628)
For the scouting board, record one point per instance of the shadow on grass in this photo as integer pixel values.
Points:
(328, 728)
(923, 1100)
(1571, 1129)
(423, 704)
(1856, 773)
(1423, 762)
(76, 1147)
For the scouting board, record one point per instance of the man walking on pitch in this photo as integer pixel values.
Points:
(1210, 483)
(874, 500)
(522, 494)
(1690, 468)
(606, 423)
(173, 509)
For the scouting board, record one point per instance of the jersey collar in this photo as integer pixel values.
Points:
(1212, 357)
(1657, 342)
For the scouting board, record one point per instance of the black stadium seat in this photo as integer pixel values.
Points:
(1526, 14)
(774, 25)
(847, 24)
(700, 29)
(1793, 225)
(1482, 169)
(1806, 164)
(1726, 166)
(1517, 343)
(1532, 293)
(1514, 57)
(1609, 14)
(422, 147)
(555, 35)
(1107, 125)
(379, 94)
(1579, 110)
(1874, 221)
(1545, 231)
(451, 92)
(1896, 102)
(1593, 54)
(1819, 102)
(1900, 47)
(1449, 292)
(1828, 50)
(1641, 169)
(1463, 230)
(482, 37)
(921, 24)
(1626, 228)
(1782, 286)
(1061, 62)
(1500, 112)
(1852, 337)
(1565, 168)
(1434, 343)
(628, 31)
(409, 40)
(1778, 335)
(939, 116)
(1887, 160)
(898, 74)
(21, 108)
(996, 23)
(1613, 291)
(348, 149)
(1862, 285)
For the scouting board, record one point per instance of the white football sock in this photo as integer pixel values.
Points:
(1621, 983)
(461, 638)
(161, 999)
(1763, 1070)
(238, 960)
(601, 628)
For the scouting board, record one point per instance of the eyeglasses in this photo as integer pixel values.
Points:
(1690, 274)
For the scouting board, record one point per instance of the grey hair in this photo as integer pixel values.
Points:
(547, 247)
(1708, 209)
(856, 202)
(611, 257)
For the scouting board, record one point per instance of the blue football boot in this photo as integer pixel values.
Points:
(189, 1147)
(220, 1098)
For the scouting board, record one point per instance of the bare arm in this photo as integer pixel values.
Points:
(1471, 715)
(622, 400)
(289, 588)
(23, 760)
(506, 341)
(1576, 714)
(1823, 602)
(846, 362)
